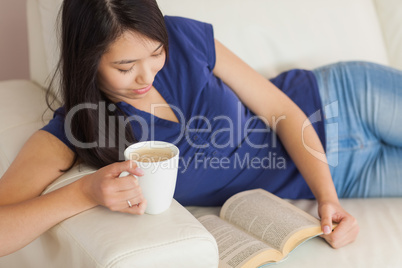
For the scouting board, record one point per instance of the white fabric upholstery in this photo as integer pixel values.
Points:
(390, 16)
(38, 68)
(22, 105)
(271, 36)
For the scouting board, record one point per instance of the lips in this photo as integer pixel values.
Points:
(143, 90)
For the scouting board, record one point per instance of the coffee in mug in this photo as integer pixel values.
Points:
(151, 154)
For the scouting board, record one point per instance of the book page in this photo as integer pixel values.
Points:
(235, 246)
(266, 216)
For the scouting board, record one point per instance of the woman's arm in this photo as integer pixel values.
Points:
(266, 100)
(25, 214)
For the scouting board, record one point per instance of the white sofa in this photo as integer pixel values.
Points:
(271, 36)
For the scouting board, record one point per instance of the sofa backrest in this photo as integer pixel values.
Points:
(270, 35)
(390, 17)
(273, 35)
(42, 39)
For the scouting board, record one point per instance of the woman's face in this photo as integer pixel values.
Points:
(128, 69)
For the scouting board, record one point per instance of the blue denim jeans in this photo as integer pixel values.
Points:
(362, 105)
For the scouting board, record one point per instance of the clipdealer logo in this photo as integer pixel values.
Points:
(236, 133)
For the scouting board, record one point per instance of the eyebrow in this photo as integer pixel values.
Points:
(131, 61)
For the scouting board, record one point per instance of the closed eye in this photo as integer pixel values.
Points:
(159, 54)
(126, 71)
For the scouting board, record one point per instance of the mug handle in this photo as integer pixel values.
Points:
(124, 174)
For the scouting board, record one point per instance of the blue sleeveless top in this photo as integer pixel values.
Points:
(224, 147)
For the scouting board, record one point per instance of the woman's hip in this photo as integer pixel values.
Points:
(362, 104)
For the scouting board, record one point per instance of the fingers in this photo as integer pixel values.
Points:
(346, 230)
(326, 222)
(128, 190)
(136, 208)
(126, 183)
(106, 188)
(130, 166)
(127, 201)
(344, 233)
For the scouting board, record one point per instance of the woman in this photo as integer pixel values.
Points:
(124, 81)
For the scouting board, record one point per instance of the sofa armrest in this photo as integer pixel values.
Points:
(101, 238)
(390, 17)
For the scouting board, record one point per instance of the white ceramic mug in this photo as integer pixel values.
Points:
(159, 180)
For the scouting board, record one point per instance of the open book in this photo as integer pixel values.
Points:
(256, 227)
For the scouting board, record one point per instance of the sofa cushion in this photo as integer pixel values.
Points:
(390, 15)
(273, 36)
(38, 69)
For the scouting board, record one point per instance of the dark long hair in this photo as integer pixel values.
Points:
(88, 27)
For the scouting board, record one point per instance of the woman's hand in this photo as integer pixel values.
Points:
(347, 229)
(106, 188)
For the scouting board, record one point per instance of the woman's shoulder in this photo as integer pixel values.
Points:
(186, 26)
(190, 38)
(178, 21)
(56, 127)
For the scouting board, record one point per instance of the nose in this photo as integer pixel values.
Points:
(145, 75)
